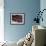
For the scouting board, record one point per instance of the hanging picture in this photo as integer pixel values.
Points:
(17, 18)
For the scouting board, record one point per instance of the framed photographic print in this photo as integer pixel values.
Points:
(17, 18)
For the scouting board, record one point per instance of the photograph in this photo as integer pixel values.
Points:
(17, 18)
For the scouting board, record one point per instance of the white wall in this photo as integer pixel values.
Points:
(43, 6)
(1, 20)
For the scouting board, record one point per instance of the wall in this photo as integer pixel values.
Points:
(1, 20)
(43, 6)
(29, 7)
